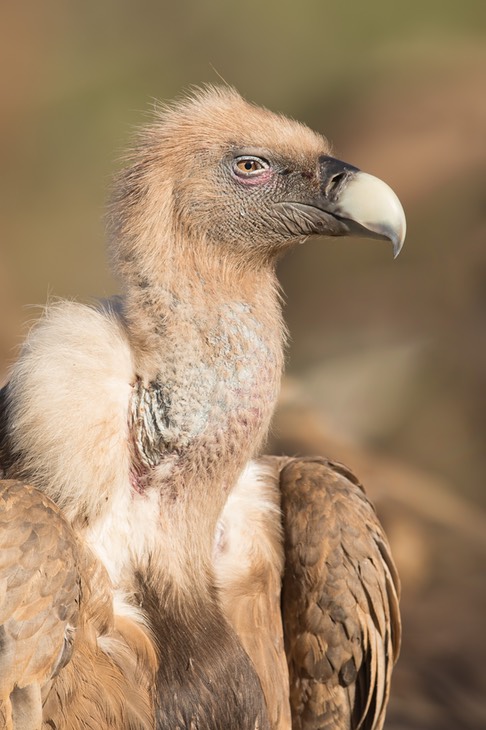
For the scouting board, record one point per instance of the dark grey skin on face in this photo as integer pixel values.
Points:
(272, 197)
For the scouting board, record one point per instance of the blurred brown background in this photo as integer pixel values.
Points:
(387, 363)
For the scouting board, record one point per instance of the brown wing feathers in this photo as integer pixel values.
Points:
(339, 609)
(40, 591)
(339, 599)
(64, 657)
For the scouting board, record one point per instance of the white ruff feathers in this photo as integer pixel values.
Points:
(68, 396)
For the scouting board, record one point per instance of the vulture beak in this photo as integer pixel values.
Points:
(363, 205)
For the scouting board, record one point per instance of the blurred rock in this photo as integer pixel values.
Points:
(368, 378)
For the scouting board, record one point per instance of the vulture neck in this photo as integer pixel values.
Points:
(192, 282)
(209, 333)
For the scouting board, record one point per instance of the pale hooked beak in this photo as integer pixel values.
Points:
(363, 204)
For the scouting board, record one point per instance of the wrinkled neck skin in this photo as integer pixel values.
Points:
(208, 334)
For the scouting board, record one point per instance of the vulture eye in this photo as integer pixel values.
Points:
(248, 166)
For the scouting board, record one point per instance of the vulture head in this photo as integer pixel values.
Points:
(244, 181)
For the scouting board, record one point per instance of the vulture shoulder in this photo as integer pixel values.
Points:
(307, 581)
(40, 593)
(339, 599)
(64, 409)
(67, 659)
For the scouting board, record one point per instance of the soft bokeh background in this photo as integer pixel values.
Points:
(387, 362)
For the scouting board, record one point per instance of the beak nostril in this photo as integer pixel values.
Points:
(334, 184)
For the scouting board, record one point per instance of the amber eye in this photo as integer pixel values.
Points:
(249, 165)
(246, 166)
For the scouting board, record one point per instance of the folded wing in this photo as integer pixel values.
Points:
(339, 599)
(40, 594)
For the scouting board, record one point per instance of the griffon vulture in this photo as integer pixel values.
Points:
(145, 553)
